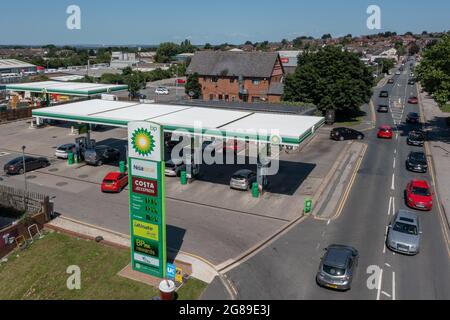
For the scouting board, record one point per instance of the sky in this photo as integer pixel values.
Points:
(147, 22)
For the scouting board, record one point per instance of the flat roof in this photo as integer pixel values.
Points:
(252, 126)
(13, 64)
(66, 88)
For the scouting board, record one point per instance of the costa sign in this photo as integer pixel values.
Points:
(145, 187)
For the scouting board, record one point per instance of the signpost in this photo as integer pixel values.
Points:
(147, 198)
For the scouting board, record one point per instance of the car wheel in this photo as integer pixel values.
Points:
(99, 163)
(360, 137)
(21, 171)
(341, 139)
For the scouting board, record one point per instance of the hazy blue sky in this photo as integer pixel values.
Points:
(233, 21)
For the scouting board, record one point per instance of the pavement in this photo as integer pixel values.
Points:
(439, 147)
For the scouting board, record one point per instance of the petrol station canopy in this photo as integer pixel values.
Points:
(241, 125)
(66, 88)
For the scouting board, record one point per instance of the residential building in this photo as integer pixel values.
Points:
(239, 76)
(289, 59)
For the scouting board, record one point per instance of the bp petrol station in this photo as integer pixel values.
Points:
(147, 124)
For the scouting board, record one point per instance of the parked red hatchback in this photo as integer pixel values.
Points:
(114, 182)
(419, 195)
(413, 100)
(385, 132)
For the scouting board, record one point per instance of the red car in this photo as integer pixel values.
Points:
(419, 195)
(385, 132)
(180, 81)
(413, 100)
(115, 182)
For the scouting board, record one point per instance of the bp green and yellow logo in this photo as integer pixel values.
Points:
(143, 142)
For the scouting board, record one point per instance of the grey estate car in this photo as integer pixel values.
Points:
(404, 233)
(338, 267)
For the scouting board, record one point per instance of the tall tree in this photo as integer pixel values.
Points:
(332, 79)
(193, 87)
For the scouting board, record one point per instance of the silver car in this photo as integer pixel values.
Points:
(174, 169)
(404, 233)
(62, 152)
(337, 268)
(243, 180)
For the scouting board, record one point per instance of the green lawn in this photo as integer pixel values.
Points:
(446, 108)
(39, 273)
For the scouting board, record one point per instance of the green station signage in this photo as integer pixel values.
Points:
(147, 198)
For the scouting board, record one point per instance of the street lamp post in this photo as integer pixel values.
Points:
(25, 178)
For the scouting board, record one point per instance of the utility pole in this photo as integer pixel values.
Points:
(176, 85)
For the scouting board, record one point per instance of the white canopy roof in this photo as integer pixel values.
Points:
(252, 126)
(66, 88)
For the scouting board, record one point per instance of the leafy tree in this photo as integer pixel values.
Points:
(186, 47)
(298, 42)
(135, 82)
(284, 42)
(208, 46)
(332, 79)
(194, 86)
(414, 49)
(434, 70)
(127, 71)
(248, 43)
(166, 52)
(326, 36)
(386, 64)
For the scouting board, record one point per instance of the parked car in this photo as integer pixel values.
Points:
(16, 166)
(416, 138)
(180, 81)
(114, 182)
(174, 169)
(404, 233)
(62, 152)
(243, 180)
(338, 267)
(398, 73)
(413, 117)
(411, 82)
(382, 108)
(385, 132)
(413, 100)
(101, 155)
(162, 91)
(419, 195)
(391, 81)
(341, 134)
(417, 162)
(384, 94)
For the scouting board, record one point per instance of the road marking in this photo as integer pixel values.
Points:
(393, 286)
(395, 152)
(379, 285)
(385, 240)
(328, 223)
(387, 265)
(393, 206)
(395, 160)
(2, 154)
(386, 294)
(393, 182)
(390, 206)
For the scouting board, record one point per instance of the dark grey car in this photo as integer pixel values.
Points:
(417, 162)
(337, 268)
(101, 155)
(404, 233)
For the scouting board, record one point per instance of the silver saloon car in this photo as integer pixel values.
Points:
(404, 233)
(243, 180)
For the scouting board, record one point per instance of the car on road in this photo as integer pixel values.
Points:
(100, 155)
(384, 94)
(243, 180)
(413, 100)
(162, 91)
(337, 267)
(385, 132)
(114, 182)
(174, 168)
(411, 82)
(16, 165)
(341, 134)
(382, 108)
(416, 138)
(404, 233)
(419, 195)
(391, 81)
(413, 117)
(417, 162)
(398, 73)
(62, 152)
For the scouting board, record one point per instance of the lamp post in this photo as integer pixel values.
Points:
(25, 178)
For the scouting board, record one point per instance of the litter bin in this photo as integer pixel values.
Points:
(183, 178)
(255, 190)
(122, 166)
(167, 290)
(70, 158)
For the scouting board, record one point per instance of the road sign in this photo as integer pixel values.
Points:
(147, 199)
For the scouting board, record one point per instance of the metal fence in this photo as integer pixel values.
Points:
(30, 202)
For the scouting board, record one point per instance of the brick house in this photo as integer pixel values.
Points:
(239, 76)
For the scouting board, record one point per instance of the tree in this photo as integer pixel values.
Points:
(127, 71)
(208, 46)
(434, 70)
(135, 83)
(186, 47)
(332, 79)
(166, 52)
(326, 36)
(248, 43)
(284, 43)
(414, 49)
(386, 64)
(298, 42)
(193, 86)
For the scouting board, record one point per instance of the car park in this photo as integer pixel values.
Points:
(16, 166)
(413, 100)
(243, 180)
(417, 162)
(404, 235)
(385, 132)
(100, 155)
(384, 94)
(114, 182)
(416, 138)
(338, 267)
(341, 134)
(62, 152)
(419, 196)
(162, 91)
(382, 108)
(413, 117)
(174, 169)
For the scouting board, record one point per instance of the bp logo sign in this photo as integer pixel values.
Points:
(143, 142)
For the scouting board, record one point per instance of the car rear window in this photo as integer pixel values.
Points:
(333, 271)
(109, 181)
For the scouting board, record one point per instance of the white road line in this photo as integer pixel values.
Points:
(386, 294)
(393, 286)
(390, 206)
(395, 161)
(385, 240)
(328, 223)
(387, 265)
(379, 285)
(393, 206)
(395, 152)
(393, 182)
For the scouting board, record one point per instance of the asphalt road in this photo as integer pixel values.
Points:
(287, 268)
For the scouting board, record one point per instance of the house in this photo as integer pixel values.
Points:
(239, 76)
(289, 59)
